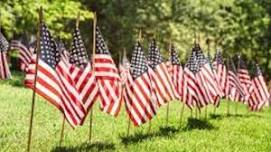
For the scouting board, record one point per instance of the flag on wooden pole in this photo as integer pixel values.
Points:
(162, 82)
(108, 78)
(141, 104)
(53, 80)
(260, 94)
(176, 71)
(233, 85)
(221, 70)
(245, 80)
(208, 80)
(81, 71)
(190, 88)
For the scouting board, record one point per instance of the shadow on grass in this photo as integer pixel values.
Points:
(141, 136)
(193, 123)
(244, 115)
(97, 146)
(218, 116)
(17, 79)
(215, 116)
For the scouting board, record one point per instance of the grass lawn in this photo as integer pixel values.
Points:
(245, 132)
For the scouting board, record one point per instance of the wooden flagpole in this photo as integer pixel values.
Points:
(63, 122)
(199, 109)
(238, 66)
(181, 114)
(208, 49)
(194, 45)
(128, 126)
(139, 40)
(167, 114)
(93, 62)
(196, 112)
(62, 131)
(35, 80)
(128, 120)
(228, 102)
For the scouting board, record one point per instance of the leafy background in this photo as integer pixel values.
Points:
(232, 25)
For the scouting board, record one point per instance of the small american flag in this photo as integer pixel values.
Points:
(82, 73)
(260, 94)
(53, 80)
(176, 71)
(4, 67)
(209, 79)
(233, 85)
(191, 90)
(244, 78)
(221, 70)
(140, 101)
(25, 54)
(205, 78)
(108, 77)
(162, 82)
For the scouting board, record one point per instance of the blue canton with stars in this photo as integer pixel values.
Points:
(154, 56)
(138, 61)
(101, 47)
(3, 43)
(48, 51)
(78, 54)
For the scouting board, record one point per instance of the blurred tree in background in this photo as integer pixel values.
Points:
(233, 25)
(20, 17)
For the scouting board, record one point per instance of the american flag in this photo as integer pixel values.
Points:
(220, 70)
(108, 77)
(176, 71)
(233, 85)
(206, 80)
(4, 68)
(260, 94)
(81, 71)
(244, 78)
(140, 101)
(162, 82)
(25, 54)
(191, 90)
(53, 80)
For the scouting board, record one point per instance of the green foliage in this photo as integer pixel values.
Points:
(18, 17)
(234, 25)
(245, 132)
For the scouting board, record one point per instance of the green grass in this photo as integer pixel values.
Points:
(245, 132)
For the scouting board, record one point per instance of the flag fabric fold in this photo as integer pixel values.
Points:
(107, 76)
